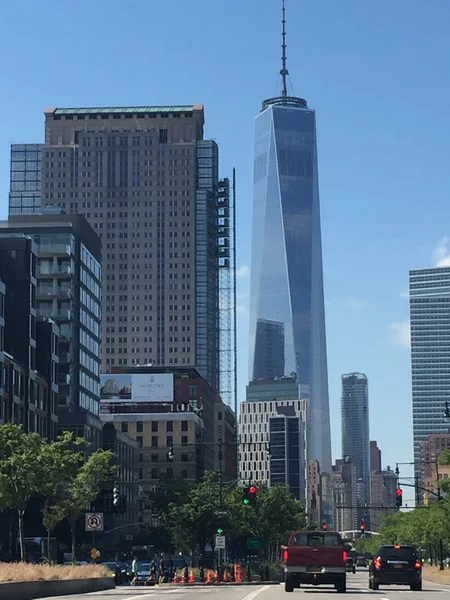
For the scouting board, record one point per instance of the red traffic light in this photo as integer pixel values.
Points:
(252, 489)
(362, 527)
(324, 526)
(399, 492)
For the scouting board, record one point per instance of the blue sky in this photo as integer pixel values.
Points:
(376, 74)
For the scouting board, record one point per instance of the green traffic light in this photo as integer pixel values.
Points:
(246, 501)
(219, 531)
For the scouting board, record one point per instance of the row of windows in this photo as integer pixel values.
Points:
(155, 426)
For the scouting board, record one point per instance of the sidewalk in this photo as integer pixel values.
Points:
(436, 576)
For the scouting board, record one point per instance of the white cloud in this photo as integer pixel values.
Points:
(441, 253)
(355, 303)
(400, 334)
(242, 272)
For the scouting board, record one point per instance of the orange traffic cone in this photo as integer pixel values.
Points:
(225, 575)
(191, 577)
(209, 578)
(175, 577)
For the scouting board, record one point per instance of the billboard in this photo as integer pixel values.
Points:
(136, 387)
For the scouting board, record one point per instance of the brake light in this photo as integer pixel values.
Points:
(418, 564)
(397, 547)
(285, 556)
(344, 556)
(377, 563)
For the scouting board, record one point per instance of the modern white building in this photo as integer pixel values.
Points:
(254, 436)
(429, 293)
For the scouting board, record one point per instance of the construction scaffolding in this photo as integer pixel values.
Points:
(226, 256)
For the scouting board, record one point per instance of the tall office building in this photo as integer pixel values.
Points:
(375, 456)
(25, 185)
(355, 432)
(429, 293)
(287, 274)
(269, 360)
(148, 183)
(68, 275)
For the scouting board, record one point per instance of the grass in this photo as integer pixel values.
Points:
(26, 572)
(435, 575)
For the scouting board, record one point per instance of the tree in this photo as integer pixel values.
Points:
(22, 471)
(81, 489)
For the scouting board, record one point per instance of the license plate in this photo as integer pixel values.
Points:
(398, 566)
(314, 569)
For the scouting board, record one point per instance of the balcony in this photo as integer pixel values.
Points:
(62, 271)
(49, 291)
(46, 249)
(60, 313)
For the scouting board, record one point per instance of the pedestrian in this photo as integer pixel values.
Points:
(162, 574)
(134, 571)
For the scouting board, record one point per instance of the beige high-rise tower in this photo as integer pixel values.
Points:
(148, 183)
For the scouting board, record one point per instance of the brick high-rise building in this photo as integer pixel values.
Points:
(375, 457)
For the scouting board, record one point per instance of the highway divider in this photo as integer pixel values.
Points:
(32, 590)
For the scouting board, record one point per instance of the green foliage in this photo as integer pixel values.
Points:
(194, 523)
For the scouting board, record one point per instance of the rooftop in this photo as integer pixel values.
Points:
(124, 110)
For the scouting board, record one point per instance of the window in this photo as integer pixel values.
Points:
(139, 426)
(154, 474)
(169, 441)
(154, 426)
(193, 390)
(184, 426)
(140, 440)
(184, 474)
(141, 458)
(184, 457)
(141, 473)
(184, 440)
(124, 427)
(154, 441)
(155, 458)
(169, 426)
(169, 472)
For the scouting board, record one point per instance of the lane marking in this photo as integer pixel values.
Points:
(256, 592)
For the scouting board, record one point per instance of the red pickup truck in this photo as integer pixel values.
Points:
(315, 558)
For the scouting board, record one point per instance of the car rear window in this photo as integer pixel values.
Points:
(329, 540)
(402, 553)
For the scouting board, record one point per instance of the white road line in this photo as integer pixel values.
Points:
(256, 592)
(384, 598)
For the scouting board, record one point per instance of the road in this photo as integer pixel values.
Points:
(357, 586)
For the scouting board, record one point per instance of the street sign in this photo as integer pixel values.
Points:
(220, 542)
(253, 543)
(95, 553)
(220, 513)
(94, 521)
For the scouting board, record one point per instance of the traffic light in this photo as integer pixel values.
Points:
(324, 526)
(116, 495)
(219, 531)
(250, 495)
(398, 497)
(362, 528)
(170, 455)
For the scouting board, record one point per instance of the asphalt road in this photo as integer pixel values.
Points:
(357, 587)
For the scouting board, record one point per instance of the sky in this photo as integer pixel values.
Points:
(376, 73)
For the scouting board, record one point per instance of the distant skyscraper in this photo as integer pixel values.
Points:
(429, 293)
(355, 432)
(287, 277)
(148, 183)
(375, 457)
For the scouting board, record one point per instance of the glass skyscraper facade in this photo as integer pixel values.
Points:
(286, 274)
(25, 184)
(429, 293)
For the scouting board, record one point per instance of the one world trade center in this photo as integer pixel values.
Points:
(287, 314)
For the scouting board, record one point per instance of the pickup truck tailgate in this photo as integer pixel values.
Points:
(322, 556)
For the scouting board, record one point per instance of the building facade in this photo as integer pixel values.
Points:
(286, 268)
(28, 360)
(429, 297)
(287, 452)
(254, 435)
(269, 361)
(25, 179)
(344, 482)
(148, 183)
(430, 450)
(355, 433)
(383, 486)
(375, 457)
(68, 292)
(315, 512)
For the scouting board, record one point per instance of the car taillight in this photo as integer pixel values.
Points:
(344, 556)
(377, 563)
(285, 556)
(418, 564)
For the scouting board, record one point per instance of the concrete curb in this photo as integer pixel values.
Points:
(167, 586)
(33, 590)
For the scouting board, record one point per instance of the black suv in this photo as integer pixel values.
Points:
(396, 565)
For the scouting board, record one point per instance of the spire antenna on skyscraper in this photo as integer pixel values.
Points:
(284, 72)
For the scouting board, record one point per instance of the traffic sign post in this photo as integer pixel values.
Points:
(220, 542)
(94, 521)
(253, 544)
